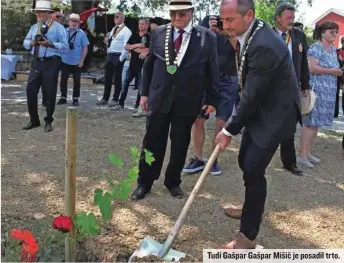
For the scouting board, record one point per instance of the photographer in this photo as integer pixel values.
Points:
(73, 59)
(229, 96)
(46, 40)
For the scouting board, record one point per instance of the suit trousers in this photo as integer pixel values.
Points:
(66, 70)
(132, 73)
(336, 108)
(253, 161)
(287, 151)
(43, 73)
(155, 140)
(113, 68)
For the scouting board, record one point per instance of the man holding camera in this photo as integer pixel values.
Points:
(73, 59)
(46, 40)
(228, 97)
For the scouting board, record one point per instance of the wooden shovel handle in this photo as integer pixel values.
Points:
(174, 232)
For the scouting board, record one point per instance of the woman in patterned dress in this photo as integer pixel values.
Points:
(324, 69)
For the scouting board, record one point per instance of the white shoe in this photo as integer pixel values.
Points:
(313, 159)
(304, 162)
(140, 112)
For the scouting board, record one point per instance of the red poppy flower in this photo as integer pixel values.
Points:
(63, 223)
(26, 257)
(25, 236)
(31, 249)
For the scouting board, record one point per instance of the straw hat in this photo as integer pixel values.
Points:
(43, 5)
(180, 5)
(74, 17)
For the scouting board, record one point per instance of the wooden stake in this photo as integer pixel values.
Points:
(70, 179)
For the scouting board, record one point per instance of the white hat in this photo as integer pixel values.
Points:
(43, 5)
(75, 17)
(180, 5)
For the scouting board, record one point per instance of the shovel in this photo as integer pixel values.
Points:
(149, 246)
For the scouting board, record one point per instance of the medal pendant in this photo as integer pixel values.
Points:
(171, 69)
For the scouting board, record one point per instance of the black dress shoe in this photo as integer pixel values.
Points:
(176, 192)
(31, 125)
(75, 103)
(140, 192)
(62, 101)
(294, 170)
(48, 127)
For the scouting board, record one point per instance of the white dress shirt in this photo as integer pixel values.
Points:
(289, 44)
(241, 40)
(119, 42)
(187, 29)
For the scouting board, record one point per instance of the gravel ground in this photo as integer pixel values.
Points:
(301, 212)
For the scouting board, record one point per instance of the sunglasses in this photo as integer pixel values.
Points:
(58, 16)
(180, 13)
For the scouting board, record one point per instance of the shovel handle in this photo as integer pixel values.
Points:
(174, 232)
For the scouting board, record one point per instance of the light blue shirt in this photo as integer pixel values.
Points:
(56, 34)
(73, 56)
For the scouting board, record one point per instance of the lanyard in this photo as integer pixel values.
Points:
(39, 28)
(118, 30)
(73, 36)
(287, 40)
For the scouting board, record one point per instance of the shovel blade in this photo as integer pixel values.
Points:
(150, 247)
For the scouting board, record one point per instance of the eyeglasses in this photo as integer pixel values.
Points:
(180, 13)
(334, 32)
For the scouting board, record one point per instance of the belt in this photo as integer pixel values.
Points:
(47, 58)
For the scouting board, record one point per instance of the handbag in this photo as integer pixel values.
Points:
(308, 102)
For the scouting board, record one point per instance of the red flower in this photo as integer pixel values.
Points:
(29, 245)
(25, 236)
(63, 223)
(26, 257)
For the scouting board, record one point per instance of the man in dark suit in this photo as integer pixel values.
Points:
(181, 64)
(295, 39)
(269, 108)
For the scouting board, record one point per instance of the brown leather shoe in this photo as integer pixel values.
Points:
(240, 242)
(233, 212)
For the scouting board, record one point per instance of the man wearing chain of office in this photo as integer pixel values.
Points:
(181, 64)
(46, 39)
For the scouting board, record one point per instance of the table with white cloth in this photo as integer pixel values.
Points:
(8, 66)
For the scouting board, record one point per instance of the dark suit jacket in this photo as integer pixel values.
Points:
(270, 105)
(198, 72)
(299, 50)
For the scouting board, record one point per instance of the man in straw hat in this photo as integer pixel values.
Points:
(269, 107)
(73, 59)
(181, 64)
(46, 40)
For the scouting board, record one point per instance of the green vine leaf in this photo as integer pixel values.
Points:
(125, 188)
(115, 160)
(105, 206)
(133, 173)
(115, 192)
(149, 159)
(98, 193)
(134, 154)
(86, 223)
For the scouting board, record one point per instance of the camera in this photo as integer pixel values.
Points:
(219, 23)
(39, 37)
(71, 45)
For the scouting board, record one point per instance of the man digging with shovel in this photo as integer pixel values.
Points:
(269, 107)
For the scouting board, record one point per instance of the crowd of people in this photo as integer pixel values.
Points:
(249, 74)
